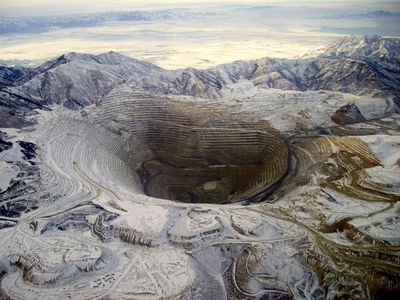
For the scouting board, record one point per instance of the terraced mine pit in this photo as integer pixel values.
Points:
(211, 165)
(187, 157)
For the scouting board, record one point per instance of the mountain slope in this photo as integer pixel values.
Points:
(357, 65)
(364, 48)
(8, 75)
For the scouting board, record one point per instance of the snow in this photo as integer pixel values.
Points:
(7, 172)
(386, 147)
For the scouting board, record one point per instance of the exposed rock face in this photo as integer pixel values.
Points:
(348, 114)
(235, 182)
(4, 144)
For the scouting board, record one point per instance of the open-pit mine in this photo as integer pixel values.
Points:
(264, 179)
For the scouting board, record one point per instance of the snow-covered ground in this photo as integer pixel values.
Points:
(312, 212)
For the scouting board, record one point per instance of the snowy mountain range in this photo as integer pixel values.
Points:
(368, 65)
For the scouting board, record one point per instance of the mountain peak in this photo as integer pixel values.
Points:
(71, 56)
(107, 58)
(363, 47)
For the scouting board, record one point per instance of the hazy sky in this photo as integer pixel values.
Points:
(46, 7)
(194, 38)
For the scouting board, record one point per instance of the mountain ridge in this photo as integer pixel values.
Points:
(366, 65)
